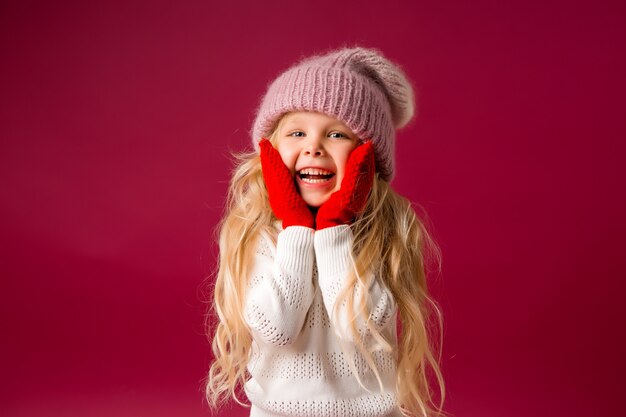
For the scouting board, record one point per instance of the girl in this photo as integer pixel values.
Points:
(321, 291)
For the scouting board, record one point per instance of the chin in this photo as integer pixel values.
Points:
(315, 201)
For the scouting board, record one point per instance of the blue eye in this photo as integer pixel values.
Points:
(339, 135)
(297, 133)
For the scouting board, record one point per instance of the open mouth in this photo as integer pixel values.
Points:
(315, 175)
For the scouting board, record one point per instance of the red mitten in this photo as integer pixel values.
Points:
(285, 200)
(345, 203)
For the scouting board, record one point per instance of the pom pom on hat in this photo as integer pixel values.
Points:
(358, 86)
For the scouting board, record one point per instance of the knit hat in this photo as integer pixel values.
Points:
(358, 86)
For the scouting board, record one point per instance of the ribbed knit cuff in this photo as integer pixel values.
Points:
(294, 248)
(333, 248)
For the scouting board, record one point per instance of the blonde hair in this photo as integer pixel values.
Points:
(389, 240)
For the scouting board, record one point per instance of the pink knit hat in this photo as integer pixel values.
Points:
(358, 86)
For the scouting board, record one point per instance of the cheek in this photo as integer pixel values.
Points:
(289, 157)
(341, 160)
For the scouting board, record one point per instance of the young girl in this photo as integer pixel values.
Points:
(321, 291)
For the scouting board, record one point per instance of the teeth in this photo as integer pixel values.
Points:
(314, 171)
(315, 181)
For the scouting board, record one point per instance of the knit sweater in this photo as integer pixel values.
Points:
(297, 364)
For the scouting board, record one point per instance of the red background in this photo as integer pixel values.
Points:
(116, 122)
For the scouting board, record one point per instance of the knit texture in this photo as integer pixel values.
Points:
(285, 200)
(344, 204)
(358, 86)
(297, 365)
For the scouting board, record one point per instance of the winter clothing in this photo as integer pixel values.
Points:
(287, 204)
(344, 204)
(358, 86)
(297, 365)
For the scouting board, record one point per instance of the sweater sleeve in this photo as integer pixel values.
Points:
(333, 251)
(281, 290)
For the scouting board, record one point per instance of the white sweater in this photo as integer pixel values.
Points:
(297, 365)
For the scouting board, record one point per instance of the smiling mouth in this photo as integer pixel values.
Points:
(315, 175)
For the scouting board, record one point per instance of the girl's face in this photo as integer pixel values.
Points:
(315, 147)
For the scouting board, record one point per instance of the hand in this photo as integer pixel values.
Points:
(345, 203)
(285, 200)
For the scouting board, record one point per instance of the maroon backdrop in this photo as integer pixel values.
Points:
(116, 122)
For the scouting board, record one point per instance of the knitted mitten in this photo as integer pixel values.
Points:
(285, 200)
(345, 203)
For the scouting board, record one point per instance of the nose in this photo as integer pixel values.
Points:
(313, 146)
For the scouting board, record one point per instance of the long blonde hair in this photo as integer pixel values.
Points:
(389, 240)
